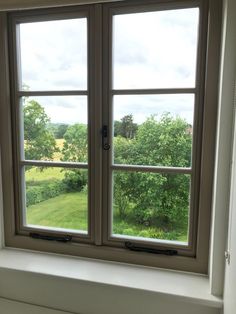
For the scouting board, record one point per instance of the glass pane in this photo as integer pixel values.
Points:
(54, 55)
(56, 198)
(148, 205)
(55, 128)
(155, 49)
(154, 130)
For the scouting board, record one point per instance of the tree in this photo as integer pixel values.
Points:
(75, 149)
(40, 143)
(157, 199)
(126, 127)
(75, 146)
(61, 130)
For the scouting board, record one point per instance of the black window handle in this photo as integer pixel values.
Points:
(105, 144)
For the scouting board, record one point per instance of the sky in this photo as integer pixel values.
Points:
(150, 50)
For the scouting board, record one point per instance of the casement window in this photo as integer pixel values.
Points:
(111, 120)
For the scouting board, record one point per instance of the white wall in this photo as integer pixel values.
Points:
(224, 147)
(75, 296)
(230, 274)
(230, 268)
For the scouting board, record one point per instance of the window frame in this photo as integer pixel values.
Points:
(124, 8)
(98, 245)
(18, 94)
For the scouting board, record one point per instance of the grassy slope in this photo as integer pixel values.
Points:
(65, 211)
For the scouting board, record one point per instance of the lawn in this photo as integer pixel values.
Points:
(70, 211)
(67, 211)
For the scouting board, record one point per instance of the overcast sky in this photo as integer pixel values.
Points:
(151, 50)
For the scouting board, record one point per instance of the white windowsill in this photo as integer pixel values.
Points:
(186, 287)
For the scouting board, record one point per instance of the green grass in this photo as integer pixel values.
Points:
(123, 227)
(36, 175)
(67, 211)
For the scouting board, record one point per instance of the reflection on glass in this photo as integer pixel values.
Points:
(155, 49)
(55, 128)
(153, 130)
(56, 198)
(54, 55)
(148, 205)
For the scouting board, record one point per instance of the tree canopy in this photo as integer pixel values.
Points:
(39, 141)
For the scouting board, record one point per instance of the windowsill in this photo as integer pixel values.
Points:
(187, 287)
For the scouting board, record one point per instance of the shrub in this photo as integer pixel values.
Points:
(43, 192)
(74, 180)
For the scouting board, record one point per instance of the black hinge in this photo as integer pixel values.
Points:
(66, 238)
(134, 247)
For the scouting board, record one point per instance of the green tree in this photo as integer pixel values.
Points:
(164, 142)
(75, 149)
(39, 142)
(157, 199)
(126, 127)
(75, 146)
(58, 129)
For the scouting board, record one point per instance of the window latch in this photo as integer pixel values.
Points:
(105, 144)
(66, 238)
(133, 247)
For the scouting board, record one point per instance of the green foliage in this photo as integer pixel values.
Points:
(39, 141)
(75, 180)
(75, 146)
(157, 199)
(166, 142)
(58, 129)
(39, 193)
(126, 127)
(124, 150)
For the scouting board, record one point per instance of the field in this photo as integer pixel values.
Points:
(50, 206)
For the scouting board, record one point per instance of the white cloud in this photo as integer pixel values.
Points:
(64, 109)
(143, 106)
(155, 49)
(54, 54)
(151, 50)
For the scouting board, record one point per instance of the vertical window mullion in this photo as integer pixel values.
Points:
(96, 81)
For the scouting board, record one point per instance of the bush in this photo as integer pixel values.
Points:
(74, 180)
(43, 192)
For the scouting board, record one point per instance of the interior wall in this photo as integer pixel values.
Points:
(224, 148)
(230, 267)
(84, 297)
(24, 4)
(13, 307)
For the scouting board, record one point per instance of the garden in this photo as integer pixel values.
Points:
(145, 204)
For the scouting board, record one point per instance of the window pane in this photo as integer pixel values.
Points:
(155, 49)
(148, 205)
(55, 128)
(154, 130)
(54, 55)
(56, 198)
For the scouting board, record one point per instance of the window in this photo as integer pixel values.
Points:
(112, 132)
